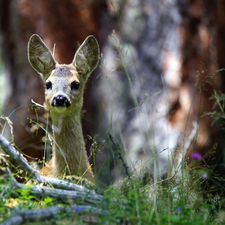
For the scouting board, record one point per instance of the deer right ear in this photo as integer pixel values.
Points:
(40, 57)
(87, 56)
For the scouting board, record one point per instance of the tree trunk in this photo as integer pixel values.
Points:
(156, 80)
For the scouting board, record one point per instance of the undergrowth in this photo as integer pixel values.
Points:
(180, 199)
(131, 202)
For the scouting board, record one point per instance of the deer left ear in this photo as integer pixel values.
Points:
(87, 56)
(40, 57)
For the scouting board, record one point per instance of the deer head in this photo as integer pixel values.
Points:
(64, 84)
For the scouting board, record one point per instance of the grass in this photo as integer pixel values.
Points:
(180, 199)
(177, 200)
(132, 202)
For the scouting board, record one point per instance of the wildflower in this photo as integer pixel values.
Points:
(179, 209)
(104, 203)
(104, 211)
(205, 176)
(196, 155)
(78, 209)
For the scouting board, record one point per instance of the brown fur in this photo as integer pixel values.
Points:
(69, 154)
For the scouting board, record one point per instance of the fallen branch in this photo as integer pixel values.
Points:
(57, 183)
(62, 191)
(61, 195)
(21, 162)
(16, 155)
(39, 215)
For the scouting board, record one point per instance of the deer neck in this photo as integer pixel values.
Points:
(69, 156)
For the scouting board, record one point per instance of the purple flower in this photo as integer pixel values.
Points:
(196, 155)
(179, 209)
(104, 203)
(104, 211)
(205, 176)
(78, 209)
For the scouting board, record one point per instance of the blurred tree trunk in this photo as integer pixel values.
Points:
(64, 23)
(199, 80)
(157, 80)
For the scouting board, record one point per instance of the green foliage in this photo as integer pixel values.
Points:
(169, 203)
(132, 202)
(218, 113)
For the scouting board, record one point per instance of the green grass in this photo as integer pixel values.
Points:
(132, 202)
(183, 199)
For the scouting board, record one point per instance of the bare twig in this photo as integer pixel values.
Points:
(181, 159)
(190, 139)
(117, 149)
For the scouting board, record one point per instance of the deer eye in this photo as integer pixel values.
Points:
(75, 85)
(48, 85)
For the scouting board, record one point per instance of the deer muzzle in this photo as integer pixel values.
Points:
(60, 103)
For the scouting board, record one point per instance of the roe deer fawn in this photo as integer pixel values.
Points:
(64, 87)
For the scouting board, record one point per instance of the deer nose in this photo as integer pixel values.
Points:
(61, 100)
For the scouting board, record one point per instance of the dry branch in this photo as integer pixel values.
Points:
(64, 191)
(72, 190)
(21, 162)
(16, 155)
(39, 215)
(87, 196)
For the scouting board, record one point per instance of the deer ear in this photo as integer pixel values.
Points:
(87, 56)
(39, 56)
